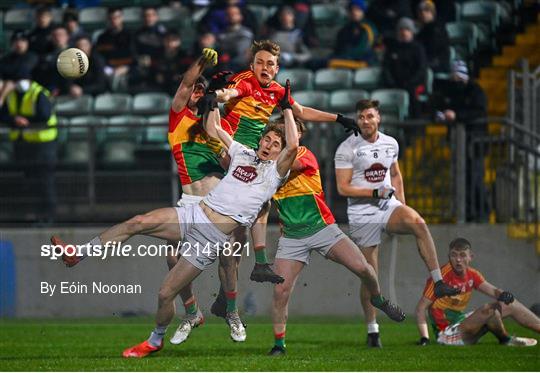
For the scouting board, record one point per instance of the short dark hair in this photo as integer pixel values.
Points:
(114, 10)
(300, 125)
(70, 15)
(460, 244)
(265, 45)
(149, 7)
(43, 9)
(367, 104)
(278, 129)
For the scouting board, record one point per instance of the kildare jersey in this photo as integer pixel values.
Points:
(300, 201)
(249, 113)
(187, 139)
(446, 311)
(371, 164)
(249, 183)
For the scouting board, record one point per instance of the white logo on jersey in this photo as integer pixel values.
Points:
(245, 173)
(375, 173)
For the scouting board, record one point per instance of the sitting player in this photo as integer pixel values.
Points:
(206, 227)
(308, 225)
(367, 172)
(454, 327)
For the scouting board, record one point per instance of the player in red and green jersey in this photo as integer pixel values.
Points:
(308, 225)
(452, 326)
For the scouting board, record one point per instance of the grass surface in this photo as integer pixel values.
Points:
(313, 344)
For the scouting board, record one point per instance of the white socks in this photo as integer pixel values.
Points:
(156, 337)
(436, 275)
(373, 327)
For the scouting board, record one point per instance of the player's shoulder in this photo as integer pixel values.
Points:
(242, 75)
(474, 272)
(349, 144)
(446, 270)
(387, 139)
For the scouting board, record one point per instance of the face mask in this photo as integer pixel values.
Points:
(23, 85)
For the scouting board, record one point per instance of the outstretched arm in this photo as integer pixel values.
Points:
(421, 322)
(184, 91)
(288, 154)
(312, 115)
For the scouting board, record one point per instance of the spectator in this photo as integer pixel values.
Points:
(386, 13)
(235, 42)
(71, 23)
(94, 81)
(33, 133)
(303, 20)
(40, 35)
(215, 19)
(209, 40)
(434, 38)
(289, 37)
(149, 38)
(405, 65)
(115, 45)
(46, 72)
(355, 41)
(171, 64)
(19, 58)
(463, 100)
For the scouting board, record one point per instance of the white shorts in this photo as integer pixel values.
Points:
(301, 248)
(202, 239)
(189, 199)
(366, 229)
(187, 221)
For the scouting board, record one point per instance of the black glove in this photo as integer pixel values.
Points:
(284, 102)
(348, 123)
(506, 297)
(423, 341)
(208, 102)
(220, 80)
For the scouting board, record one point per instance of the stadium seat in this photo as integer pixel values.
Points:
(118, 154)
(327, 35)
(344, 100)
(328, 14)
(158, 133)
(6, 152)
(315, 99)
(151, 103)
(464, 36)
(93, 18)
(57, 15)
(367, 78)
(18, 19)
(173, 18)
(301, 79)
(112, 103)
(330, 79)
(67, 106)
(76, 153)
(133, 17)
(488, 12)
(79, 126)
(392, 101)
(261, 13)
(125, 127)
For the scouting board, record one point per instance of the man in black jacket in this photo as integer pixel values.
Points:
(433, 37)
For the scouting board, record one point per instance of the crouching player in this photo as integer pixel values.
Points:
(454, 327)
(308, 225)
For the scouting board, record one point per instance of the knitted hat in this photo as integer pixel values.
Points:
(406, 23)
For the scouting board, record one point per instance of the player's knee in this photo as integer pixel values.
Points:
(165, 295)
(137, 223)
(281, 294)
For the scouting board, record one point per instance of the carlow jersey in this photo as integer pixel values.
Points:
(371, 164)
(446, 311)
(248, 184)
(300, 201)
(249, 112)
(187, 139)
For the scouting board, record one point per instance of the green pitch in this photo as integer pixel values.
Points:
(313, 344)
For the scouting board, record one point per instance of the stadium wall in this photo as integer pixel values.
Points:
(324, 288)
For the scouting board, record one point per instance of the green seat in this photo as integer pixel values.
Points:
(315, 99)
(151, 103)
(392, 101)
(76, 153)
(327, 35)
(125, 127)
(158, 129)
(79, 126)
(118, 154)
(261, 13)
(368, 78)
(488, 12)
(301, 79)
(112, 104)
(345, 100)
(133, 17)
(68, 106)
(93, 18)
(328, 14)
(331, 79)
(174, 18)
(19, 19)
(6, 152)
(463, 37)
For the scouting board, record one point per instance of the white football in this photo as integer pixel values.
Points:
(72, 63)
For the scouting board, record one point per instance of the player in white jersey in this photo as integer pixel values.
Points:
(367, 172)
